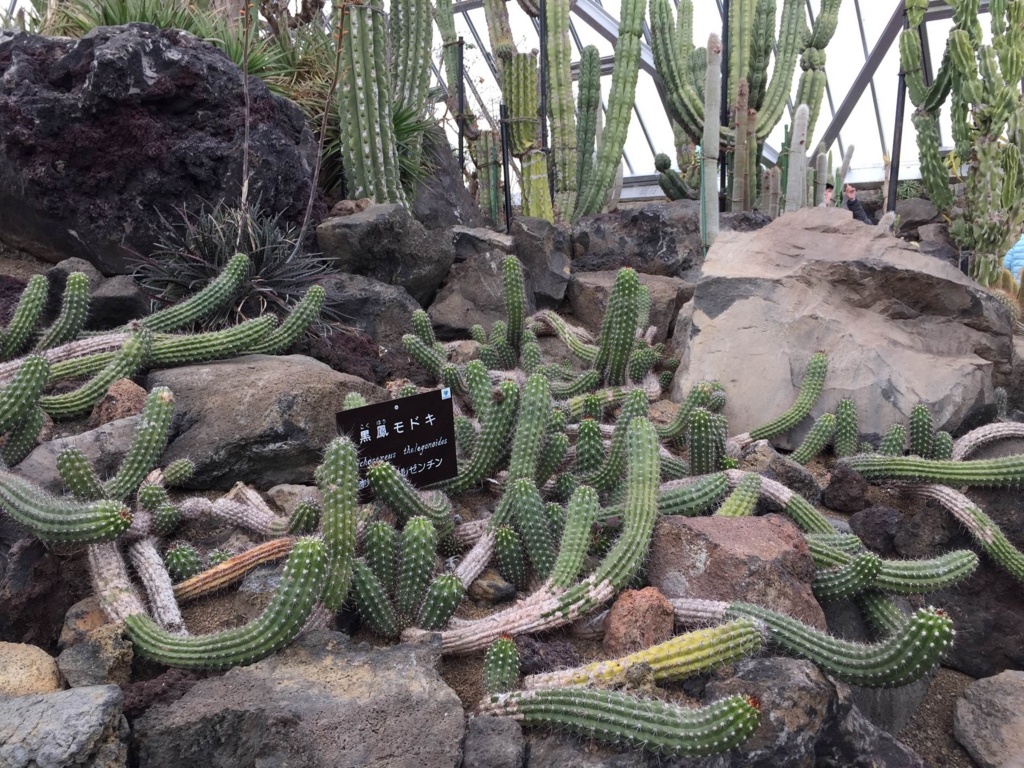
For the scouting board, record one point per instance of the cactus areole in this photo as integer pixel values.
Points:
(416, 434)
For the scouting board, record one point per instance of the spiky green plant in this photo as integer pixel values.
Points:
(810, 389)
(501, 666)
(51, 519)
(183, 561)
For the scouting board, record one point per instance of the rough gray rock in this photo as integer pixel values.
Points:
(104, 657)
(381, 311)
(105, 447)
(116, 301)
(79, 728)
(589, 292)
(321, 702)
(101, 135)
(796, 477)
(914, 213)
(441, 200)
(877, 527)
(473, 294)
(900, 328)
(655, 238)
(494, 742)
(385, 242)
(258, 419)
(545, 249)
(847, 490)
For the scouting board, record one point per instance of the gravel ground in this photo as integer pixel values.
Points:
(930, 732)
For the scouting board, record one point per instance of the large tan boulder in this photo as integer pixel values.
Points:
(900, 327)
(26, 669)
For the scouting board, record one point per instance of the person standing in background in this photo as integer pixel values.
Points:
(855, 205)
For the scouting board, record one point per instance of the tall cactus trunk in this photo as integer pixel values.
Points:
(411, 32)
(499, 30)
(369, 154)
(797, 159)
(588, 109)
(709, 148)
(741, 154)
(620, 108)
(563, 118)
(820, 177)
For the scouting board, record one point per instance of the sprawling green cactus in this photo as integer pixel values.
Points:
(849, 580)
(901, 659)
(491, 442)
(511, 560)
(178, 472)
(1008, 470)
(743, 500)
(819, 436)
(73, 310)
(293, 601)
(810, 389)
(847, 434)
(214, 295)
(618, 329)
(26, 316)
(610, 472)
(442, 598)
(21, 438)
(648, 724)
(52, 519)
(21, 394)
(894, 441)
(406, 501)
(372, 601)
(703, 442)
(418, 547)
(148, 443)
(298, 321)
(922, 431)
(304, 518)
(534, 408)
(338, 477)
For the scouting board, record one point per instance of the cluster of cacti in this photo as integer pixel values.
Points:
(755, 102)
(980, 78)
(671, 181)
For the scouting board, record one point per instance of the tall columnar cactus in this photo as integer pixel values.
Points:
(710, 139)
(279, 624)
(563, 118)
(486, 152)
(514, 288)
(626, 71)
(588, 106)
(797, 159)
(623, 719)
(981, 82)
(369, 150)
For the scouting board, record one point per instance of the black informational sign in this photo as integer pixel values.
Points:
(416, 434)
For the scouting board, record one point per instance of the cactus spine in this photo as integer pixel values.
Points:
(337, 478)
(51, 519)
(501, 666)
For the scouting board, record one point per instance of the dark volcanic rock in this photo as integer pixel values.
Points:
(441, 200)
(101, 135)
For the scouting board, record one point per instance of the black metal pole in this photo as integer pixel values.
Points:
(897, 135)
(724, 111)
(462, 109)
(503, 112)
(544, 75)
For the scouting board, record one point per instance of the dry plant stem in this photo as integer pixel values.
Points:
(72, 349)
(157, 582)
(233, 569)
(111, 584)
(321, 618)
(469, 533)
(990, 433)
(691, 613)
(234, 513)
(473, 564)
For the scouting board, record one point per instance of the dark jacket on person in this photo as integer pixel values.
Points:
(857, 209)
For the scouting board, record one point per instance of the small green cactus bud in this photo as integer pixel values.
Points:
(304, 518)
(922, 431)
(218, 556)
(408, 390)
(511, 560)
(501, 666)
(353, 400)
(423, 328)
(942, 446)
(478, 334)
(179, 472)
(894, 441)
(166, 519)
(183, 561)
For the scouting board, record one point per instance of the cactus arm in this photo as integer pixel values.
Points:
(588, 107)
(743, 499)
(676, 659)
(52, 519)
(819, 436)
(278, 625)
(147, 445)
(618, 328)
(981, 527)
(19, 397)
(534, 408)
(741, 35)
(411, 32)
(79, 476)
(1008, 470)
(652, 725)
(531, 519)
(216, 294)
(985, 435)
(440, 602)
(605, 478)
(552, 456)
(563, 117)
(21, 439)
(233, 569)
(922, 431)
(430, 357)
(797, 159)
(848, 580)
(491, 442)
(159, 590)
(73, 310)
(514, 292)
(338, 477)
(847, 438)
(901, 659)
(583, 509)
(418, 548)
(508, 548)
(125, 363)
(793, 504)
(298, 321)
(26, 317)
(569, 336)
(884, 615)
(762, 44)
(406, 502)
(501, 666)
(688, 498)
(810, 389)
(672, 44)
(772, 106)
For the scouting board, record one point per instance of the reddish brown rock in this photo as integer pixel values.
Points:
(761, 560)
(124, 398)
(638, 620)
